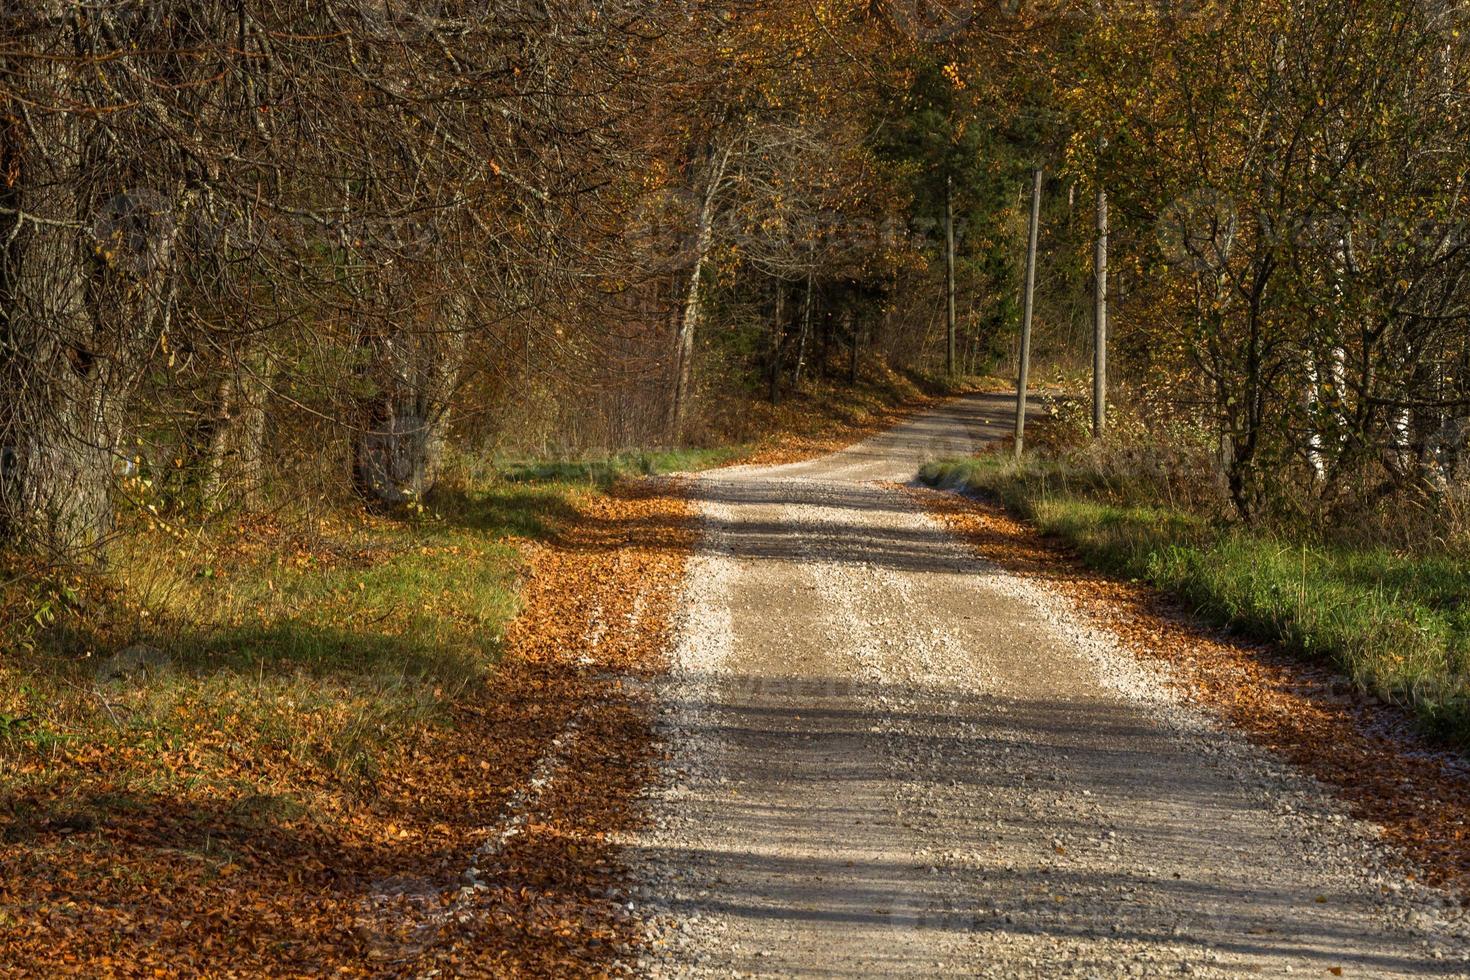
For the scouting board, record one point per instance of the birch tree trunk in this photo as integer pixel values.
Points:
(689, 323)
(1028, 309)
(806, 329)
(1100, 318)
(949, 310)
(693, 313)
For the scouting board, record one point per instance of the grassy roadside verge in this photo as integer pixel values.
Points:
(328, 722)
(1398, 625)
(274, 659)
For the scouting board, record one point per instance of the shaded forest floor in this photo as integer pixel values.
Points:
(352, 743)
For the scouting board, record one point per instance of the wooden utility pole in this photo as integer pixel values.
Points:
(1100, 318)
(1028, 307)
(949, 362)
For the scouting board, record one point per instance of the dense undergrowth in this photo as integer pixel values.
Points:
(1394, 620)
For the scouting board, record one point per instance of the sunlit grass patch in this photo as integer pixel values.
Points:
(280, 658)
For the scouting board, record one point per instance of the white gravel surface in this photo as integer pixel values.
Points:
(889, 757)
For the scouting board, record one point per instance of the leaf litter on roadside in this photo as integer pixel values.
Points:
(199, 883)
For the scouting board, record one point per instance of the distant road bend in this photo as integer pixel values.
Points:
(891, 758)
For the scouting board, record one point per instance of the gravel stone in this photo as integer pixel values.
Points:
(888, 756)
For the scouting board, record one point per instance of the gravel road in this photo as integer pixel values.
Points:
(888, 757)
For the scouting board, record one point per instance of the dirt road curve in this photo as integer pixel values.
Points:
(891, 758)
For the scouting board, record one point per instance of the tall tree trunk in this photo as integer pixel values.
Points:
(235, 474)
(1248, 407)
(949, 314)
(57, 466)
(1315, 458)
(689, 322)
(1028, 307)
(778, 336)
(1100, 319)
(217, 431)
(405, 421)
(85, 294)
(693, 313)
(806, 330)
